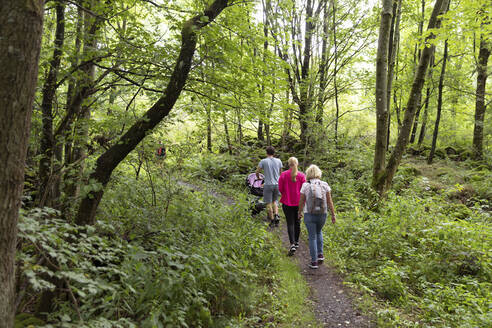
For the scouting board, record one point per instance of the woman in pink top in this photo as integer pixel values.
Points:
(289, 185)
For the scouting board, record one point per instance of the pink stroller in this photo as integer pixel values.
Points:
(255, 188)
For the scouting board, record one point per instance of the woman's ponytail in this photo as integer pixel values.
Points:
(293, 168)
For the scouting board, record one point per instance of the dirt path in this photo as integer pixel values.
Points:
(333, 305)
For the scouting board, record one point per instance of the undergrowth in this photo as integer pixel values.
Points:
(422, 256)
(160, 255)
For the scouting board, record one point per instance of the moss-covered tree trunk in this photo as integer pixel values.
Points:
(381, 88)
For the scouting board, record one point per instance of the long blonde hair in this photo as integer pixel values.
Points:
(313, 172)
(293, 165)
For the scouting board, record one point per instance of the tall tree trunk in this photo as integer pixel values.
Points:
(269, 113)
(209, 127)
(287, 119)
(305, 83)
(19, 57)
(268, 136)
(323, 65)
(416, 121)
(260, 134)
(75, 122)
(381, 89)
(335, 68)
(81, 131)
(419, 99)
(69, 179)
(439, 103)
(265, 49)
(396, 97)
(46, 191)
(239, 126)
(226, 131)
(383, 182)
(393, 47)
(426, 103)
(483, 57)
(110, 159)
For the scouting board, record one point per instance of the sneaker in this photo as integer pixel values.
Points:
(293, 248)
(313, 265)
(276, 220)
(321, 258)
(296, 245)
(271, 224)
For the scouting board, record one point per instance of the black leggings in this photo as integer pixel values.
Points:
(293, 222)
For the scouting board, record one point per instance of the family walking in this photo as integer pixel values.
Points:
(301, 195)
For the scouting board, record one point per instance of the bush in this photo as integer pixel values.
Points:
(186, 261)
(417, 253)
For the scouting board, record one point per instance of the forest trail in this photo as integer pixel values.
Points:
(333, 306)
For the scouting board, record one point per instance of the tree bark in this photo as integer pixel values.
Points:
(22, 22)
(226, 131)
(381, 89)
(439, 104)
(70, 184)
(383, 181)
(323, 65)
(209, 127)
(304, 84)
(335, 68)
(83, 112)
(426, 104)
(287, 119)
(108, 161)
(419, 99)
(239, 126)
(47, 143)
(269, 115)
(266, 11)
(483, 57)
(394, 42)
(74, 125)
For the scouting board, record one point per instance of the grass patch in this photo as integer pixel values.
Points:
(293, 296)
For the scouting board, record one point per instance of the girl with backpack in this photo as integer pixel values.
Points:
(314, 203)
(289, 185)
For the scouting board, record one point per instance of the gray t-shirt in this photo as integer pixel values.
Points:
(271, 166)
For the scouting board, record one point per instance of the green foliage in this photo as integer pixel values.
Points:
(195, 265)
(219, 167)
(421, 254)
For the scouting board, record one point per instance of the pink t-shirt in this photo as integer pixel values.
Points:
(290, 190)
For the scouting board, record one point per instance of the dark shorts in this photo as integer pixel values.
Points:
(270, 193)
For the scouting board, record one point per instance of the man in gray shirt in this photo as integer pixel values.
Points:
(272, 168)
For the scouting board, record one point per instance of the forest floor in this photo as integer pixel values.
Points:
(333, 301)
